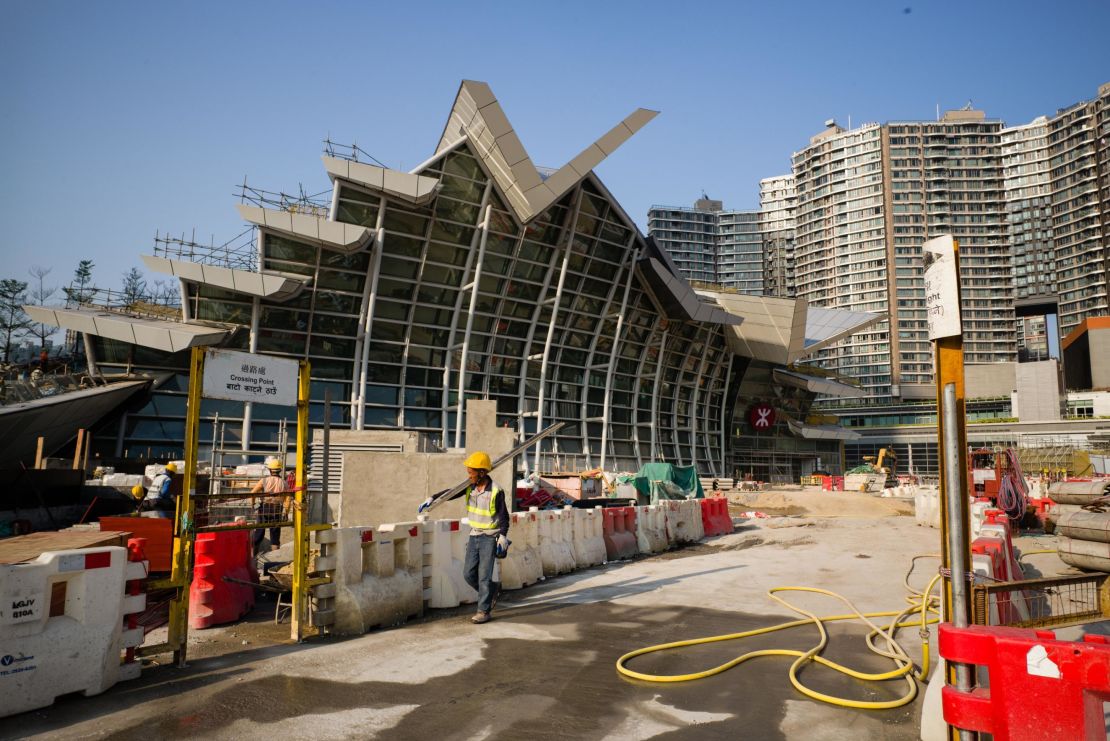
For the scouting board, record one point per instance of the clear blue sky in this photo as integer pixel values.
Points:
(123, 118)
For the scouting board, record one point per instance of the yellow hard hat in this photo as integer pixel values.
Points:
(273, 464)
(137, 491)
(171, 468)
(479, 460)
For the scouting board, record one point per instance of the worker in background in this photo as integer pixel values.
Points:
(488, 514)
(158, 501)
(271, 508)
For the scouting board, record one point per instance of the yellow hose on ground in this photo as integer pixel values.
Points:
(923, 603)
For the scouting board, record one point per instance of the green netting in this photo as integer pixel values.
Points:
(666, 481)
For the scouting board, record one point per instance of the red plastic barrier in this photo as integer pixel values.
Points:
(213, 601)
(715, 519)
(832, 483)
(619, 532)
(157, 531)
(1041, 508)
(1041, 689)
(136, 551)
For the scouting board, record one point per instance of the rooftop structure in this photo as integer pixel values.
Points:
(480, 276)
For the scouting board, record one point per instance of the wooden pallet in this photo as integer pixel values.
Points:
(23, 548)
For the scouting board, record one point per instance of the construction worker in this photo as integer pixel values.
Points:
(158, 501)
(488, 515)
(270, 509)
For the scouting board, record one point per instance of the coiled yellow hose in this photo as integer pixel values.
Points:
(922, 603)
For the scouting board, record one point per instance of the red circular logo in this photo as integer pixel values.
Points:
(762, 416)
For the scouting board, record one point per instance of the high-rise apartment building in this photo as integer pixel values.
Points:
(867, 199)
(777, 205)
(740, 252)
(1057, 187)
(689, 235)
(711, 245)
(1028, 195)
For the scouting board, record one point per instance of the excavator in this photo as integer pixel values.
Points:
(888, 456)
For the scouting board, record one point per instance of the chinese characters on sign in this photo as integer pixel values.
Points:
(942, 288)
(240, 376)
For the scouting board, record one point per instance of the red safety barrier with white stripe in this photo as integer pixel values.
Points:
(1041, 688)
(715, 519)
(619, 532)
(62, 625)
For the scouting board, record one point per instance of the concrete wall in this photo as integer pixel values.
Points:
(989, 379)
(1100, 358)
(388, 487)
(1038, 393)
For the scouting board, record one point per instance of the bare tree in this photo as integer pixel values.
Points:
(164, 293)
(14, 322)
(40, 294)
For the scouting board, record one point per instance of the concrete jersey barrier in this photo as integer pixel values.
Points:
(379, 576)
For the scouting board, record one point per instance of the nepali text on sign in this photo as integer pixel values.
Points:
(241, 376)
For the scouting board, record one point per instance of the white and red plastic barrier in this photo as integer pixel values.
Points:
(62, 620)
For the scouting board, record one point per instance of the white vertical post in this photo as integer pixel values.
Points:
(655, 396)
(470, 262)
(724, 411)
(366, 320)
(635, 255)
(252, 346)
(470, 322)
(554, 316)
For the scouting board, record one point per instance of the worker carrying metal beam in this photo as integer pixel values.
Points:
(488, 514)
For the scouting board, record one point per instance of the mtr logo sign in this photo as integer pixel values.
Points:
(761, 416)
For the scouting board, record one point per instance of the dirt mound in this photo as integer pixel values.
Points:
(818, 503)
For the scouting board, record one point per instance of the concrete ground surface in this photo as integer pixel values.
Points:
(544, 667)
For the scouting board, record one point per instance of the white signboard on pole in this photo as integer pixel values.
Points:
(242, 376)
(942, 288)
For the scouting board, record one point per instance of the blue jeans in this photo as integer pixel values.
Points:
(478, 568)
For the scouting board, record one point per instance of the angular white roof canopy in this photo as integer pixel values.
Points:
(158, 334)
(332, 235)
(785, 330)
(266, 285)
(418, 189)
(478, 116)
(815, 384)
(822, 432)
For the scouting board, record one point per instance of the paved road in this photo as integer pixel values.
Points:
(543, 669)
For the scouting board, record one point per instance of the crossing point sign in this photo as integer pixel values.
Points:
(942, 288)
(242, 376)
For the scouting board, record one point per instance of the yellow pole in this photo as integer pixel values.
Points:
(181, 575)
(300, 617)
(948, 357)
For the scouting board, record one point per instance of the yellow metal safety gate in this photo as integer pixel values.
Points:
(185, 524)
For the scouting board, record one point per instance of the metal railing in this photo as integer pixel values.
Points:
(1055, 601)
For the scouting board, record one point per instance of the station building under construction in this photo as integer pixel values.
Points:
(480, 275)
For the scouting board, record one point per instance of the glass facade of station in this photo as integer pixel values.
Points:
(548, 319)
